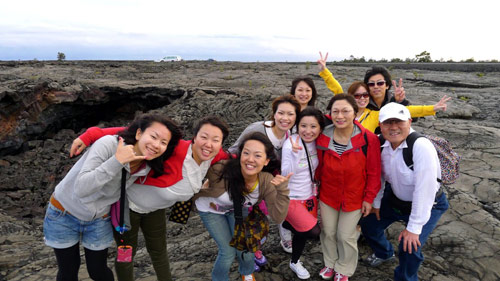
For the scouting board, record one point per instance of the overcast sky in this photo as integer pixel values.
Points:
(248, 30)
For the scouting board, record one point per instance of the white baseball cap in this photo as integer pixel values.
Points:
(394, 111)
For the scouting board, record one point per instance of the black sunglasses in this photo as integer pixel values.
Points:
(379, 83)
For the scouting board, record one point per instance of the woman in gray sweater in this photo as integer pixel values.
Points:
(79, 207)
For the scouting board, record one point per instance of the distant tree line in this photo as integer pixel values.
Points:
(422, 57)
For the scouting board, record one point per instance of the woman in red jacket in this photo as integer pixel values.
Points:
(349, 175)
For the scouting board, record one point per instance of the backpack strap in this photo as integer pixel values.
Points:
(365, 147)
(408, 151)
(382, 140)
(238, 212)
(364, 118)
(123, 197)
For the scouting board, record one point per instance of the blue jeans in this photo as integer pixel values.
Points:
(221, 228)
(373, 231)
(63, 230)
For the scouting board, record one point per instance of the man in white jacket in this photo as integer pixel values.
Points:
(412, 195)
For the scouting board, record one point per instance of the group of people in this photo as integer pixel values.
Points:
(300, 162)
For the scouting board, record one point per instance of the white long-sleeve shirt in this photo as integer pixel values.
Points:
(296, 163)
(146, 198)
(419, 186)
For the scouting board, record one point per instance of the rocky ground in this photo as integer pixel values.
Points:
(45, 105)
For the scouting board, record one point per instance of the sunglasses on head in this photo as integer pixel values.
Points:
(378, 83)
(362, 95)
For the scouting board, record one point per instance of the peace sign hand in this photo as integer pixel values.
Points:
(295, 144)
(322, 61)
(126, 154)
(399, 91)
(441, 105)
(279, 179)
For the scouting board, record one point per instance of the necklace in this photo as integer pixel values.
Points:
(251, 187)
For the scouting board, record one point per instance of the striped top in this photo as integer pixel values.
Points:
(339, 148)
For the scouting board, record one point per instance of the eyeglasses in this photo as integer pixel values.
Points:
(362, 95)
(343, 111)
(378, 83)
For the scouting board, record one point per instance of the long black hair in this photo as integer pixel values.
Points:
(234, 181)
(142, 123)
(310, 83)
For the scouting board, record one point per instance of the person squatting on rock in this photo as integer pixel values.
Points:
(300, 158)
(149, 198)
(78, 208)
(411, 195)
(349, 176)
(248, 177)
(285, 110)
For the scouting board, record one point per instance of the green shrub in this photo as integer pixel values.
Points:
(61, 56)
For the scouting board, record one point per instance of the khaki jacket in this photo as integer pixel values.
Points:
(276, 197)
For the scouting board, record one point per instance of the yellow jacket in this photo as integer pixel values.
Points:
(331, 82)
(369, 118)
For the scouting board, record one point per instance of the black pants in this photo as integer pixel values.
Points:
(299, 239)
(68, 261)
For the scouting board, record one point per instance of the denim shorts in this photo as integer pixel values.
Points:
(62, 230)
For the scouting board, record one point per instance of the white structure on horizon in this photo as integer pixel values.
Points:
(171, 58)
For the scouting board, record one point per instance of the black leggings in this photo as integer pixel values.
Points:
(68, 261)
(299, 239)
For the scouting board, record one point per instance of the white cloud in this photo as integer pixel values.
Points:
(383, 29)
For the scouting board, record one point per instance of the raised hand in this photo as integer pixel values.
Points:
(322, 61)
(279, 179)
(77, 147)
(126, 154)
(295, 144)
(399, 91)
(441, 105)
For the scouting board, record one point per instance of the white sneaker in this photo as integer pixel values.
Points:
(285, 234)
(287, 246)
(286, 239)
(300, 270)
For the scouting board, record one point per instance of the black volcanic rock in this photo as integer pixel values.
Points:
(45, 105)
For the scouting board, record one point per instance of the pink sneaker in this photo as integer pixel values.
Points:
(326, 273)
(340, 277)
(260, 259)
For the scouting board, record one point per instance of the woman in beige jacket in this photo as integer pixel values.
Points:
(245, 177)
